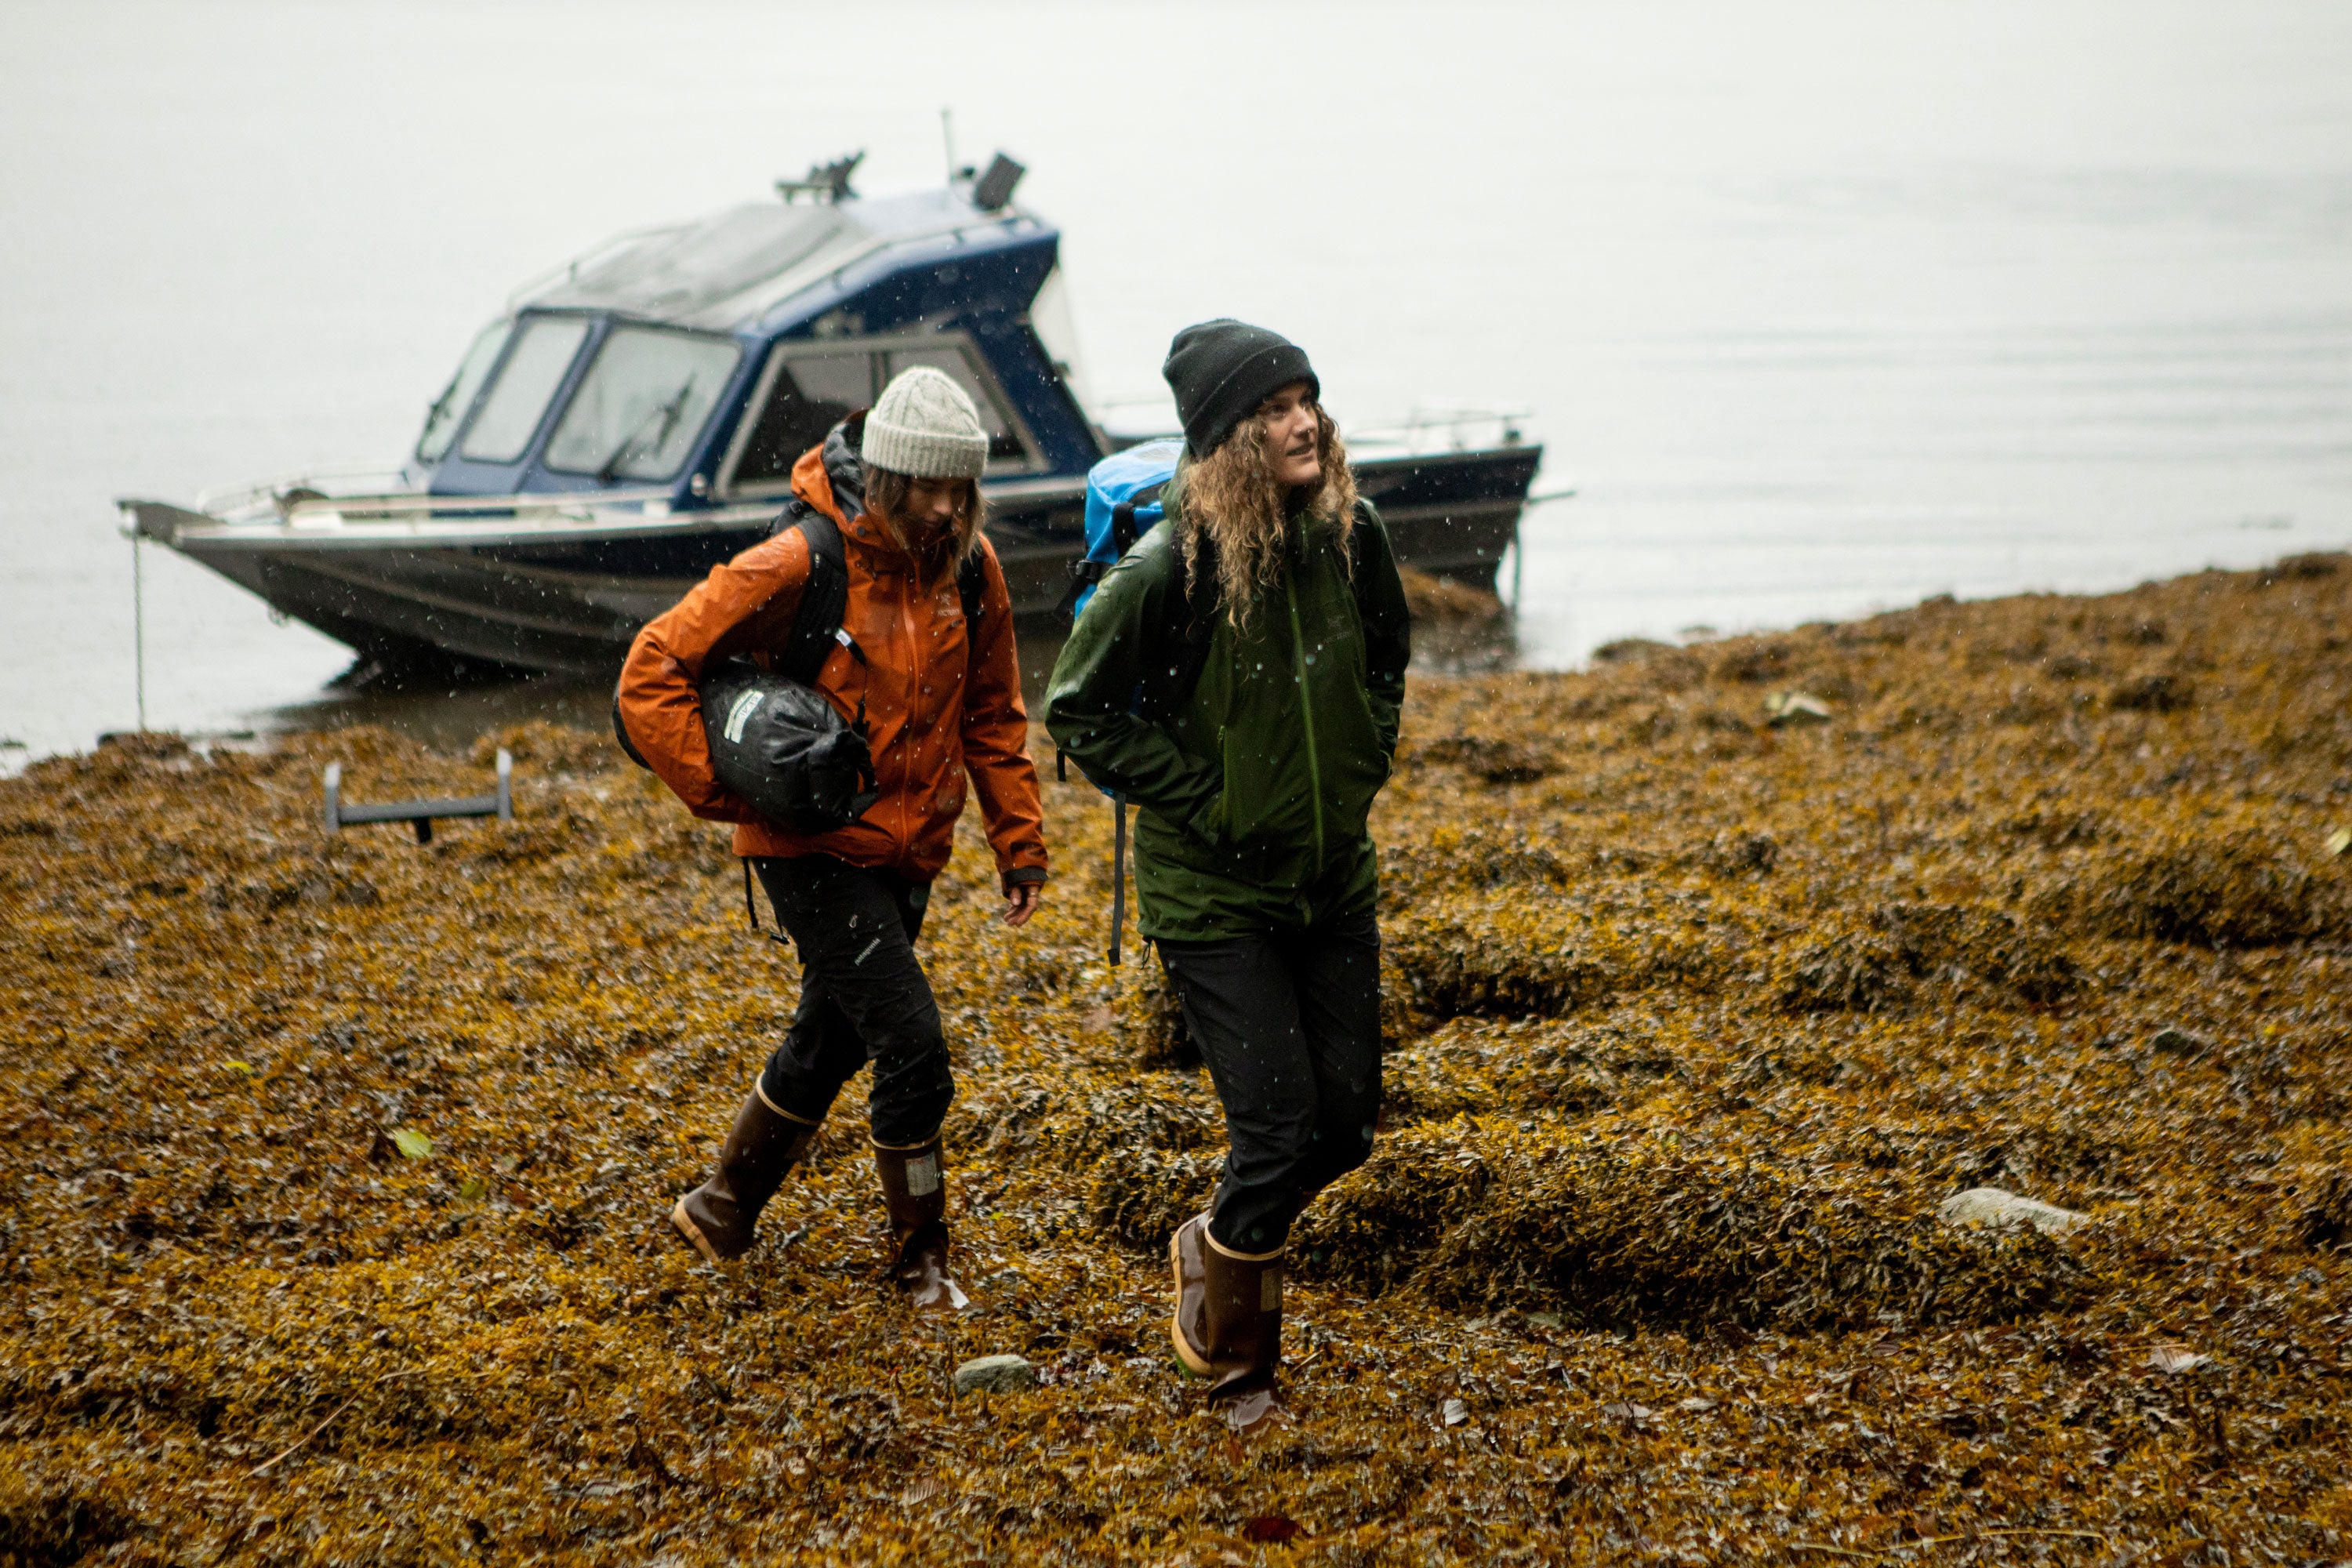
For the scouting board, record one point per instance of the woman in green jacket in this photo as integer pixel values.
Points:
(1239, 677)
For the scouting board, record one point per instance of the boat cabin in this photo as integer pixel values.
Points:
(702, 359)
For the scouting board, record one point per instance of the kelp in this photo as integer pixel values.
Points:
(335, 1167)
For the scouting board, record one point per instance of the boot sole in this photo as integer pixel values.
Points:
(1194, 1362)
(685, 1227)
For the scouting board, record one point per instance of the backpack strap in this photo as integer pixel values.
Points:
(1086, 571)
(1188, 623)
(1356, 536)
(1123, 531)
(823, 598)
(971, 587)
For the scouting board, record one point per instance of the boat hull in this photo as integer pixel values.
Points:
(438, 601)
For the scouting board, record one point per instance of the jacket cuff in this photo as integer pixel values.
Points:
(1019, 874)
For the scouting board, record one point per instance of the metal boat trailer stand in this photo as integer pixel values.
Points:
(420, 814)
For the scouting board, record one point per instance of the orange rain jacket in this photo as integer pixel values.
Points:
(941, 697)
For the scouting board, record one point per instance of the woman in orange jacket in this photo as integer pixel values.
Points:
(940, 695)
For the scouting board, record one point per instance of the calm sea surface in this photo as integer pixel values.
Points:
(1820, 307)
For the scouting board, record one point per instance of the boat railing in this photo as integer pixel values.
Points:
(1429, 428)
(1445, 427)
(257, 495)
(325, 498)
(416, 507)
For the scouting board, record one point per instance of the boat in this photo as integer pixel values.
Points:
(631, 419)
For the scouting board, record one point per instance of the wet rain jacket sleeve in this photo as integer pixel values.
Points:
(747, 602)
(1095, 682)
(996, 736)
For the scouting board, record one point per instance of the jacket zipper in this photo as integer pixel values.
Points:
(1306, 711)
(910, 673)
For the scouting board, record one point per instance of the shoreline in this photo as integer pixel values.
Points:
(1701, 1000)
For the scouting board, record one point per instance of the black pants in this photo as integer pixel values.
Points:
(863, 997)
(1290, 1024)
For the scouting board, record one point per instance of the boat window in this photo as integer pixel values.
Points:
(812, 392)
(1004, 442)
(502, 430)
(449, 411)
(1051, 318)
(642, 404)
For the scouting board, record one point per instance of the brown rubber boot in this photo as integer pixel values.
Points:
(915, 1187)
(1228, 1324)
(763, 1144)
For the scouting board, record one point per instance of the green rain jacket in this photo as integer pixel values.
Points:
(1255, 794)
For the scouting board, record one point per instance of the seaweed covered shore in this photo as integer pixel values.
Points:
(335, 1168)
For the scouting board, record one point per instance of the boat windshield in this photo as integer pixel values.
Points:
(513, 406)
(642, 404)
(449, 410)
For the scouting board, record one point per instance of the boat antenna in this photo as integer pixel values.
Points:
(947, 138)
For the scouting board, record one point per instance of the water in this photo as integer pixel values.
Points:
(1820, 307)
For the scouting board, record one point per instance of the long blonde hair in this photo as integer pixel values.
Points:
(1232, 497)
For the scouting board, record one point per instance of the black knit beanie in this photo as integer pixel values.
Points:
(1222, 370)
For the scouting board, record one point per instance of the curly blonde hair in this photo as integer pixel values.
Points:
(1232, 497)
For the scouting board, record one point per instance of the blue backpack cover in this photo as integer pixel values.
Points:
(1122, 506)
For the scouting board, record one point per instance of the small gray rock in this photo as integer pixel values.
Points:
(995, 1375)
(1990, 1206)
(2175, 1041)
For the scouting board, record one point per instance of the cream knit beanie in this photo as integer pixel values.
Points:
(924, 425)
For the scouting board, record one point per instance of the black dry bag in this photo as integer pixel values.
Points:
(786, 749)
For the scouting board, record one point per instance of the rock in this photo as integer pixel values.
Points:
(1990, 1206)
(1784, 708)
(2175, 1041)
(995, 1375)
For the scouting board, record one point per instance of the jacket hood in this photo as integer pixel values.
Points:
(831, 474)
